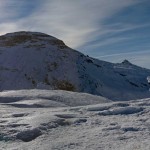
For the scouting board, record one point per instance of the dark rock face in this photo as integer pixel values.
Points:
(28, 135)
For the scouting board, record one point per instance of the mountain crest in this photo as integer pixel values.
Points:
(16, 38)
(33, 60)
(126, 62)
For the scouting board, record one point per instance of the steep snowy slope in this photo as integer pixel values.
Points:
(31, 60)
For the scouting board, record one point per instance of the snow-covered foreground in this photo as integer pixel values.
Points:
(60, 120)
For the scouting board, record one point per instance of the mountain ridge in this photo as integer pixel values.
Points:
(34, 60)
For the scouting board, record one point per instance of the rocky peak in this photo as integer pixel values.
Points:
(126, 62)
(17, 38)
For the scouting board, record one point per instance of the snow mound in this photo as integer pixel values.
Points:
(122, 111)
(48, 98)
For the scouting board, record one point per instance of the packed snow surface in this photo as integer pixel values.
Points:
(60, 120)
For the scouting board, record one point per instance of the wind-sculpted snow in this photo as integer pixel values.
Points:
(122, 111)
(105, 125)
(48, 98)
(32, 60)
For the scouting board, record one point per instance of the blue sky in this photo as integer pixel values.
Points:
(111, 30)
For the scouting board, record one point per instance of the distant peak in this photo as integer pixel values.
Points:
(126, 62)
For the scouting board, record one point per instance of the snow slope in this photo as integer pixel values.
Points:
(104, 126)
(47, 98)
(32, 60)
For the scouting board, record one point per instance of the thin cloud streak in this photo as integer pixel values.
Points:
(140, 58)
(80, 24)
(111, 32)
(128, 53)
(75, 22)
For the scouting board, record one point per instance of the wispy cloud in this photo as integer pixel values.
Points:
(73, 21)
(117, 33)
(77, 21)
(140, 58)
(128, 53)
(94, 25)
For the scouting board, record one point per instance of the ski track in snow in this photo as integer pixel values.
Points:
(42, 119)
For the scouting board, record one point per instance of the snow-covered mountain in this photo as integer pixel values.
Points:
(31, 60)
